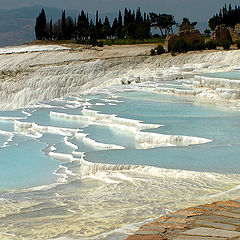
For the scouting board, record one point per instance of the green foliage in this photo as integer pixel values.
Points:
(238, 44)
(132, 31)
(92, 42)
(40, 27)
(100, 44)
(164, 22)
(214, 21)
(207, 33)
(173, 54)
(63, 26)
(226, 44)
(136, 25)
(227, 15)
(180, 46)
(186, 25)
(197, 45)
(127, 41)
(160, 49)
(211, 44)
(152, 52)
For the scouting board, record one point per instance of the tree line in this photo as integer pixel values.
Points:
(129, 24)
(227, 15)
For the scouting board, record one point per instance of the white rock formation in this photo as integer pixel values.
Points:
(30, 77)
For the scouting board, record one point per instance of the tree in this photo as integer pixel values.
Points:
(51, 30)
(114, 27)
(227, 15)
(207, 32)
(97, 18)
(132, 31)
(63, 25)
(139, 18)
(186, 25)
(106, 29)
(40, 27)
(164, 22)
(92, 31)
(119, 30)
(69, 28)
(214, 21)
(82, 26)
(135, 25)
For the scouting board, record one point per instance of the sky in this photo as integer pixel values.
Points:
(195, 10)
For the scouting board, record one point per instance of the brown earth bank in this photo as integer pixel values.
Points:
(74, 45)
(218, 220)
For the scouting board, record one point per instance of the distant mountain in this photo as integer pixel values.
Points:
(17, 25)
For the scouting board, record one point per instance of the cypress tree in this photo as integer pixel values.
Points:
(125, 16)
(69, 28)
(97, 19)
(106, 29)
(114, 27)
(40, 27)
(119, 30)
(227, 15)
(63, 28)
(139, 18)
(50, 30)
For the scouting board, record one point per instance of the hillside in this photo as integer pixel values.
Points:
(17, 25)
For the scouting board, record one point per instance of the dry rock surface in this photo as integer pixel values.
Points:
(222, 33)
(218, 220)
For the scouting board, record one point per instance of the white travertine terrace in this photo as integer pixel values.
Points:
(30, 77)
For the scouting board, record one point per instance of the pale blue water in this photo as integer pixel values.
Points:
(6, 125)
(42, 117)
(179, 117)
(3, 139)
(83, 147)
(108, 135)
(202, 159)
(24, 164)
(228, 75)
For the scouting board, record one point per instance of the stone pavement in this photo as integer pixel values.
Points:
(215, 221)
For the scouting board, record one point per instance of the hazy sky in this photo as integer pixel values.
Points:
(199, 10)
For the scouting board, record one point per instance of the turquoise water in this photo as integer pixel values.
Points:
(179, 117)
(25, 166)
(108, 191)
(108, 135)
(228, 75)
(201, 159)
(3, 139)
(42, 117)
(25, 162)
(6, 125)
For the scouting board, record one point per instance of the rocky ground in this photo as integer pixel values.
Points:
(215, 221)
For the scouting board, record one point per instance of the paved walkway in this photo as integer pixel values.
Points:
(215, 221)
